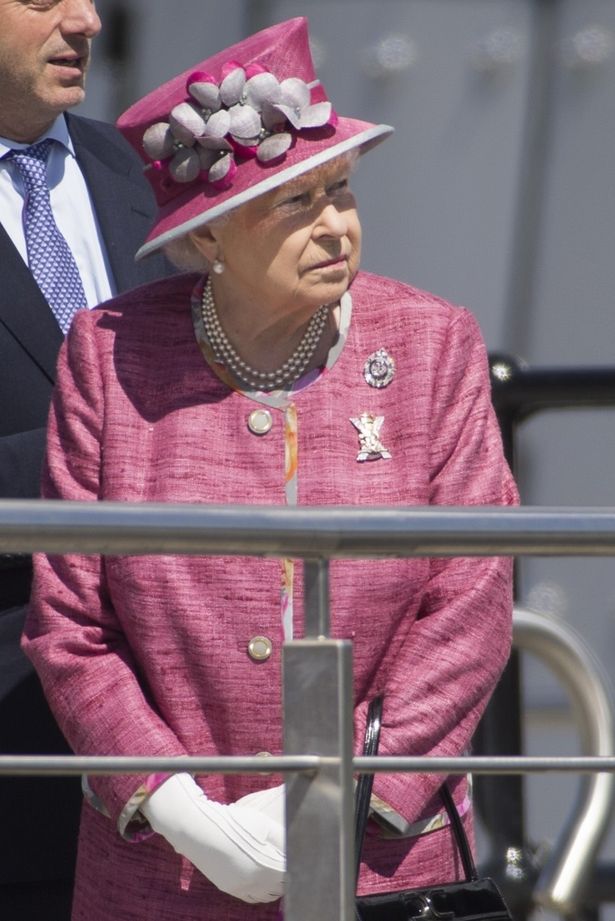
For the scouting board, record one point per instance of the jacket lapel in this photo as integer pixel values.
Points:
(125, 210)
(24, 311)
(122, 201)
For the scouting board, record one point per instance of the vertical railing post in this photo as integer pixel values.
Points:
(316, 598)
(317, 681)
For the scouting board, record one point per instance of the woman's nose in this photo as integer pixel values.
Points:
(332, 221)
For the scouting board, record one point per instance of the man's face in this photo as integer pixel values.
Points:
(44, 57)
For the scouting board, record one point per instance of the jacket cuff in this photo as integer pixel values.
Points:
(393, 825)
(131, 824)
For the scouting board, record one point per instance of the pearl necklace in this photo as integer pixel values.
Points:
(288, 373)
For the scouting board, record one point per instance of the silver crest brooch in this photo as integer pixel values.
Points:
(379, 369)
(368, 427)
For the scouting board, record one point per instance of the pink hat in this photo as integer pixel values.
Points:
(239, 124)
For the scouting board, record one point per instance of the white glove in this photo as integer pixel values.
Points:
(238, 848)
(272, 803)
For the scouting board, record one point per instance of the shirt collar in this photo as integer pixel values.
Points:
(58, 132)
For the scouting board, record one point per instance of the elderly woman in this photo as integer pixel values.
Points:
(277, 374)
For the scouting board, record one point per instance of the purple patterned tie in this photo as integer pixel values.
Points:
(49, 257)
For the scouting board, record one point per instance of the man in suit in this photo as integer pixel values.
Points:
(103, 208)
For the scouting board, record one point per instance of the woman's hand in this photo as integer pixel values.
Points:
(238, 847)
(272, 803)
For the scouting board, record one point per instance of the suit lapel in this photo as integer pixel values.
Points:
(124, 208)
(122, 202)
(24, 310)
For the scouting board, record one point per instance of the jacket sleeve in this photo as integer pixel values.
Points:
(442, 678)
(73, 635)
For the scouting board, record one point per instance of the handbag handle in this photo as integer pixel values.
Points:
(364, 791)
(365, 782)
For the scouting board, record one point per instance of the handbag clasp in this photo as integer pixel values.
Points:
(428, 911)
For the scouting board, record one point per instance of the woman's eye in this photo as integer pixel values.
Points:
(305, 199)
(339, 186)
(302, 198)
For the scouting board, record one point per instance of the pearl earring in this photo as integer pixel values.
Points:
(217, 266)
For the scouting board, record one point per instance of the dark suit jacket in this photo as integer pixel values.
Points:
(38, 818)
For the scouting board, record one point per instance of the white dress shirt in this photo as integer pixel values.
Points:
(72, 208)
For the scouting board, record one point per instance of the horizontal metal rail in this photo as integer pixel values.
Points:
(311, 533)
(521, 390)
(501, 764)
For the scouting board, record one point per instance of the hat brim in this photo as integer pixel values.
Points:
(200, 203)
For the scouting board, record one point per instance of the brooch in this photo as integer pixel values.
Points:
(368, 427)
(379, 369)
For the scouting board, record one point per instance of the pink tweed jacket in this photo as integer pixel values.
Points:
(149, 655)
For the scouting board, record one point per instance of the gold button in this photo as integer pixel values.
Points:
(264, 755)
(260, 648)
(260, 421)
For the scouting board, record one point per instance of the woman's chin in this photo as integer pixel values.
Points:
(332, 286)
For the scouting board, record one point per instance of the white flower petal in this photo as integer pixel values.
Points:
(261, 88)
(272, 116)
(207, 158)
(295, 92)
(293, 115)
(185, 165)
(218, 124)
(213, 143)
(274, 146)
(245, 122)
(186, 123)
(206, 94)
(315, 116)
(158, 141)
(220, 168)
(232, 86)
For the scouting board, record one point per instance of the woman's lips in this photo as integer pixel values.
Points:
(336, 262)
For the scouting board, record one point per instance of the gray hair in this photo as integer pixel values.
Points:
(185, 254)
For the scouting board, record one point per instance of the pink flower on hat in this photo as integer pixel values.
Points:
(249, 113)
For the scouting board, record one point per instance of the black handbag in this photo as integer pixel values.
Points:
(471, 899)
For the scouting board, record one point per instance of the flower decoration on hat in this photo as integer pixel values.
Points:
(249, 113)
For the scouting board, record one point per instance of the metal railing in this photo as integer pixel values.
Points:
(317, 671)
(563, 881)
(521, 392)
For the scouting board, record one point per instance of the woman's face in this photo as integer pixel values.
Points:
(294, 248)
